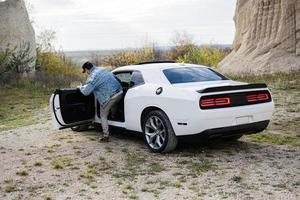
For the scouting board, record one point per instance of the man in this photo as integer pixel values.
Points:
(107, 90)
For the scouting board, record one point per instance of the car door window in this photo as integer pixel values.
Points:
(124, 77)
(136, 79)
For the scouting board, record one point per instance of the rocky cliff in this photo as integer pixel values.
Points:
(267, 38)
(15, 28)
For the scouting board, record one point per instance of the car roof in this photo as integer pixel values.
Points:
(155, 66)
(152, 72)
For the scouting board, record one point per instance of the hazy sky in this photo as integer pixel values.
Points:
(110, 24)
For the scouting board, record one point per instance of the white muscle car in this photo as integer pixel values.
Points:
(166, 100)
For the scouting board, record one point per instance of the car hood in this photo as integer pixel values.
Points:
(207, 84)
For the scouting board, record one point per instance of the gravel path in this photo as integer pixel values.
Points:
(38, 162)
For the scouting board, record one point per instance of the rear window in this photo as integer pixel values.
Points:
(192, 74)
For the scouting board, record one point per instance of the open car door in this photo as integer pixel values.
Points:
(69, 107)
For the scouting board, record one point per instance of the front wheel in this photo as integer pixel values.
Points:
(158, 132)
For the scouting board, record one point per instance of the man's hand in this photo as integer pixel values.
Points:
(79, 86)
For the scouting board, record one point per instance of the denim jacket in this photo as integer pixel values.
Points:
(102, 83)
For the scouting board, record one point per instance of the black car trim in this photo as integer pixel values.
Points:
(244, 129)
(155, 62)
(231, 88)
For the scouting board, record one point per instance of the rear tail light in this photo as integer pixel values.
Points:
(259, 97)
(214, 102)
(234, 99)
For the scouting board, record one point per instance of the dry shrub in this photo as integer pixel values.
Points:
(56, 63)
(204, 55)
(16, 59)
(130, 57)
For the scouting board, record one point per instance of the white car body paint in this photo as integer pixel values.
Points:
(180, 102)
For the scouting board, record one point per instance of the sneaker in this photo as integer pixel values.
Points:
(104, 139)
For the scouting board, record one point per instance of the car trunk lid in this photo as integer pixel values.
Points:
(227, 93)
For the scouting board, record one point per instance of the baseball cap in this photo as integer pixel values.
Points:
(87, 65)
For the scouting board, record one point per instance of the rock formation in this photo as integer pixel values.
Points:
(15, 28)
(267, 38)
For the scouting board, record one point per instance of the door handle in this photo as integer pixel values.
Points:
(57, 108)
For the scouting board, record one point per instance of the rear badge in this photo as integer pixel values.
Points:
(159, 90)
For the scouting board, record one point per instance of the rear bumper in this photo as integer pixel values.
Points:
(202, 120)
(233, 130)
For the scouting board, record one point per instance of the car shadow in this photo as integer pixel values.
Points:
(186, 145)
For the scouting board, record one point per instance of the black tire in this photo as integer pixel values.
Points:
(80, 128)
(170, 140)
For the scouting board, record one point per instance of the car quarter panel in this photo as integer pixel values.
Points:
(176, 103)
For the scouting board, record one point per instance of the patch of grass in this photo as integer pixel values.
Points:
(38, 163)
(54, 146)
(177, 174)
(33, 188)
(57, 164)
(108, 149)
(134, 159)
(93, 185)
(236, 179)
(62, 162)
(100, 166)
(90, 173)
(102, 158)
(274, 139)
(293, 109)
(155, 168)
(127, 189)
(281, 185)
(155, 192)
(278, 81)
(177, 184)
(67, 161)
(9, 187)
(197, 168)
(132, 168)
(133, 196)
(22, 172)
(296, 184)
(47, 197)
(163, 184)
(20, 103)
(149, 182)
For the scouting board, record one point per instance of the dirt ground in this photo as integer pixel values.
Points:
(38, 162)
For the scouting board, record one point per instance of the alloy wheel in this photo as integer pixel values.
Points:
(155, 132)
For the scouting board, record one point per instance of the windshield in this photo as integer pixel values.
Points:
(192, 74)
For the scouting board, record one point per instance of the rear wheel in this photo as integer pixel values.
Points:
(80, 128)
(158, 132)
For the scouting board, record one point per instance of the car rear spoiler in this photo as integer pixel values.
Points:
(233, 87)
